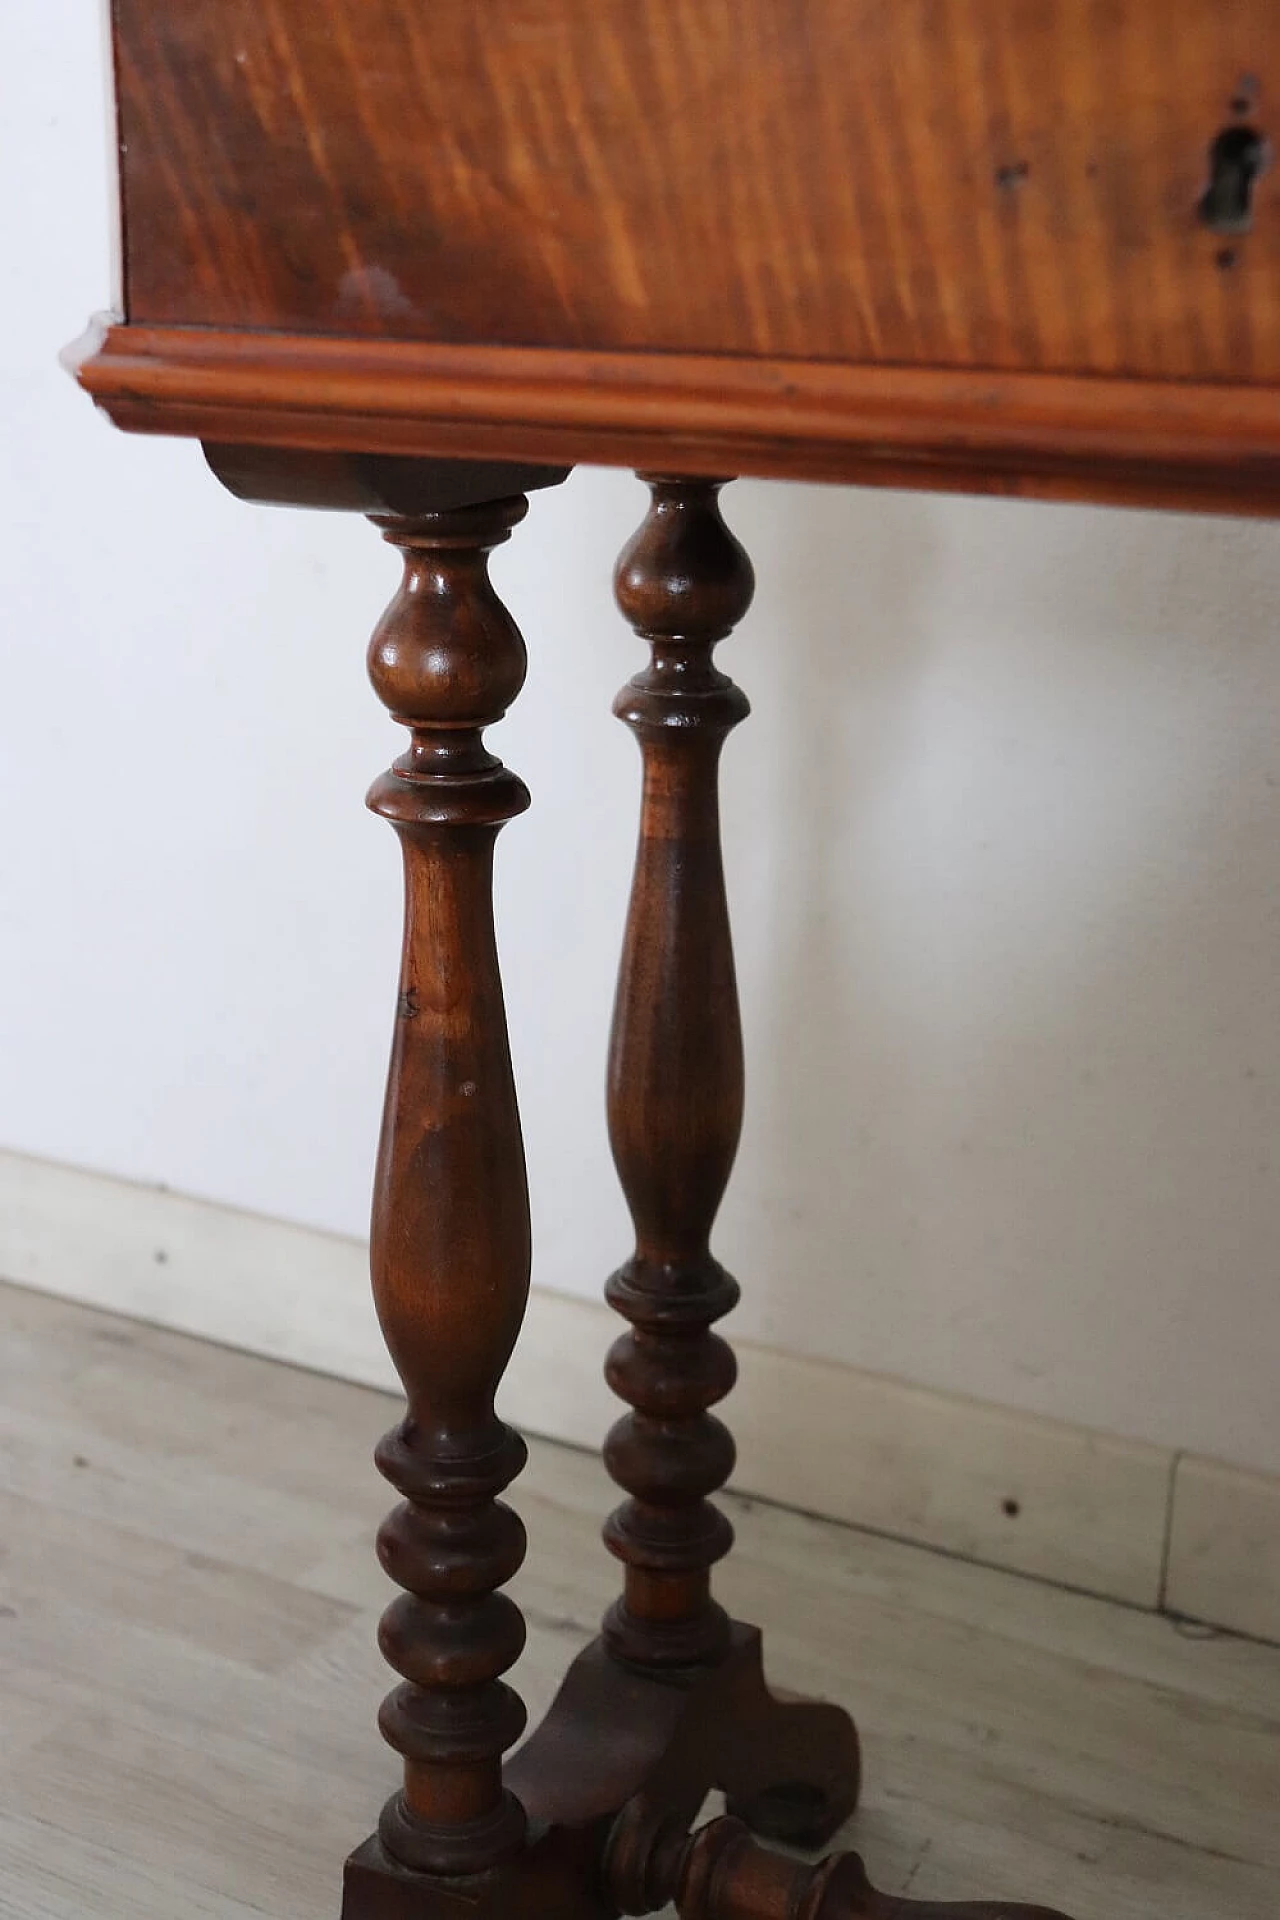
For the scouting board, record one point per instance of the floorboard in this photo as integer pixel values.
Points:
(188, 1676)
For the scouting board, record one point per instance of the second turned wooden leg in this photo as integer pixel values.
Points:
(675, 1113)
(675, 1088)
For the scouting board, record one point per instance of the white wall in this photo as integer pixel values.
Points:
(1004, 838)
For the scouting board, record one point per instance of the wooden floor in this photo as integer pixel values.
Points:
(188, 1677)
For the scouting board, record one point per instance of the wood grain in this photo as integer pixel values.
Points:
(1210, 447)
(996, 184)
(450, 1247)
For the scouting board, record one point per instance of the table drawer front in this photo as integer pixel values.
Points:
(959, 183)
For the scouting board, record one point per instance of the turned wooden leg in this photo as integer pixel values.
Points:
(450, 1243)
(675, 1088)
(675, 1113)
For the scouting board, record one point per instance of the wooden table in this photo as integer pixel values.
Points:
(415, 260)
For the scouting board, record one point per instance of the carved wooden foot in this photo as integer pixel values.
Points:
(794, 1772)
(614, 1733)
(611, 1782)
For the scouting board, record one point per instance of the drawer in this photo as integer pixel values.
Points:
(1011, 185)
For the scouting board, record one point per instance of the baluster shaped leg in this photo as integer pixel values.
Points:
(450, 1246)
(675, 1087)
(675, 1112)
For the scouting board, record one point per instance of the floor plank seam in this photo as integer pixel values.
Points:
(1166, 1546)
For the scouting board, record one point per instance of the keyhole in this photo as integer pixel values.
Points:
(1236, 159)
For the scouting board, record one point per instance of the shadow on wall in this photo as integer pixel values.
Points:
(1004, 833)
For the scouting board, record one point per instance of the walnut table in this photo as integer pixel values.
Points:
(414, 258)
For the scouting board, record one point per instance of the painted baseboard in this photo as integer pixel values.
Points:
(1040, 1497)
(1224, 1547)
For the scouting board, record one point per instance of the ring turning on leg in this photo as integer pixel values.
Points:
(450, 1243)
